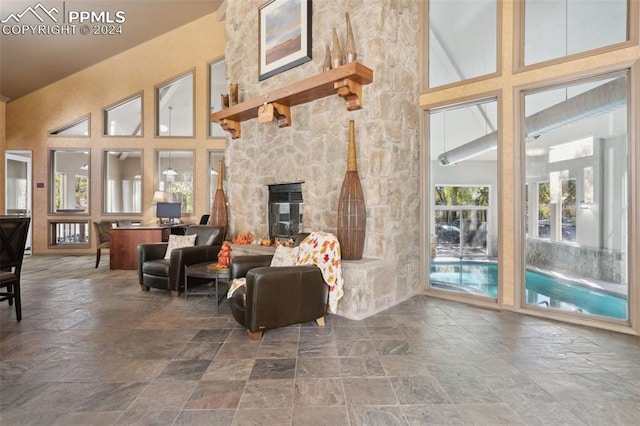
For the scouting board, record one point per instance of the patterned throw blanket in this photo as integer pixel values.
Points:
(321, 249)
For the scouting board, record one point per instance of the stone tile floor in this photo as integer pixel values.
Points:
(92, 349)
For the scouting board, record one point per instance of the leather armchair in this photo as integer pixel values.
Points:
(276, 296)
(168, 274)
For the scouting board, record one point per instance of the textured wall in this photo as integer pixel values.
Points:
(314, 149)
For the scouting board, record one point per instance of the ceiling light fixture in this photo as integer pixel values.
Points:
(169, 170)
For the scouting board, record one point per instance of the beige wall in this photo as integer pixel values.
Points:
(31, 117)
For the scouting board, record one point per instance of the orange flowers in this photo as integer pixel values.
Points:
(243, 239)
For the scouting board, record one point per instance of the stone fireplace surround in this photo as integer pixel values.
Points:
(314, 148)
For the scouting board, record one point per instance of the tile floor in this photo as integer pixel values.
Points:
(92, 349)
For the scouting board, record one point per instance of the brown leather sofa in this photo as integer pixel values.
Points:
(276, 296)
(168, 274)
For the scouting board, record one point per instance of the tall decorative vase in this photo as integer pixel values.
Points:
(350, 49)
(352, 215)
(219, 216)
(326, 66)
(336, 54)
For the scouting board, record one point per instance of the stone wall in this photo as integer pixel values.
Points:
(314, 149)
(588, 262)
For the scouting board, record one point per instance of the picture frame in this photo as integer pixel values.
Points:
(284, 36)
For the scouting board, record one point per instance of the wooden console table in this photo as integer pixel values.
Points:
(124, 242)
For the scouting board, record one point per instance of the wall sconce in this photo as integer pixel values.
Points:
(585, 204)
(159, 197)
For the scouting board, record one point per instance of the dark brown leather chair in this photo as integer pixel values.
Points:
(168, 274)
(276, 296)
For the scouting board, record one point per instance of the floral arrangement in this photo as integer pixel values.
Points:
(243, 239)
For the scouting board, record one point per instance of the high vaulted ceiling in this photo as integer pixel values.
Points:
(29, 62)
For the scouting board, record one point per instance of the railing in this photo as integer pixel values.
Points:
(68, 233)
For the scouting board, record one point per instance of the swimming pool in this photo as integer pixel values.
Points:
(543, 290)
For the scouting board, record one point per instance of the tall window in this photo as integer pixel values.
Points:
(463, 203)
(122, 181)
(462, 40)
(218, 85)
(214, 171)
(576, 155)
(559, 28)
(174, 107)
(124, 118)
(175, 177)
(70, 181)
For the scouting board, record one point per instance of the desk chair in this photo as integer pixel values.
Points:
(13, 238)
(102, 237)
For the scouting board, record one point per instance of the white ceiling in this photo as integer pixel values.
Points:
(30, 62)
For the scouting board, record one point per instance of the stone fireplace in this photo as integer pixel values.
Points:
(313, 149)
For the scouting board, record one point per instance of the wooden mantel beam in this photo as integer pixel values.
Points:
(346, 80)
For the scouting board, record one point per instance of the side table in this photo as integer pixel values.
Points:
(208, 270)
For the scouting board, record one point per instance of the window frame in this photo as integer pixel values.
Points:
(52, 179)
(122, 102)
(103, 157)
(157, 108)
(87, 117)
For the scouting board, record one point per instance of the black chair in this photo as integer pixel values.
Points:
(103, 237)
(168, 274)
(204, 219)
(13, 238)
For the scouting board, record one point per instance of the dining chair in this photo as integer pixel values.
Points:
(103, 237)
(13, 238)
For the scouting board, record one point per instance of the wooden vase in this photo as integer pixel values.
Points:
(219, 215)
(326, 66)
(352, 215)
(336, 54)
(350, 48)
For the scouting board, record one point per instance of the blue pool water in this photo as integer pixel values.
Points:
(543, 290)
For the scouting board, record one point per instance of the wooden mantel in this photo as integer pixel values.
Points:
(346, 80)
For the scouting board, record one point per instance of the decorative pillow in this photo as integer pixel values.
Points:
(285, 256)
(179, 241)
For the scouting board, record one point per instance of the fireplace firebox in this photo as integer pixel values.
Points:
(286, 209)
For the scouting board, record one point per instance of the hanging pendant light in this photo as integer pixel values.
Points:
(169, 170)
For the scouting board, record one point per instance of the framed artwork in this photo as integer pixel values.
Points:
(285, 36)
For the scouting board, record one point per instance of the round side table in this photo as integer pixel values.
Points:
(207, 270)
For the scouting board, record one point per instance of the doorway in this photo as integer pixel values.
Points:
(17, 180)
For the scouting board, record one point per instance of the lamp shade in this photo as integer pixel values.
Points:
(159, 197)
